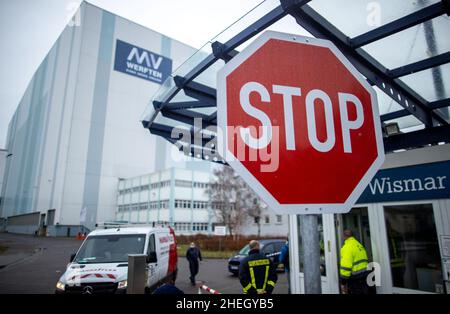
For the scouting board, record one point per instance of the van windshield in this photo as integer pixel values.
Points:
(110, 248)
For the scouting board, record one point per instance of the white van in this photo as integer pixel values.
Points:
(101, 263)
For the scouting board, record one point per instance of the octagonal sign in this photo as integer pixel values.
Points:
(299, 123)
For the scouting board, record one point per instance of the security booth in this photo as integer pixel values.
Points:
(402, 217)
(403, 221)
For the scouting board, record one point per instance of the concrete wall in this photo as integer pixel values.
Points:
(23, 224)
(3, 154)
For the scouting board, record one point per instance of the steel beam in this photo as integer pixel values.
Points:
(187, 116)
(439, 103)
(201, 151)
(220, 51)
(399, 25)
(394, 115)
(196, 90)
(421, 138)
(420, 65)
(183, 105)
(402, 113)
(366, 65)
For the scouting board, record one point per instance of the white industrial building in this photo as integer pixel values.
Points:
(180, 198)
(76, 135)
(3, 154)
(77, 129)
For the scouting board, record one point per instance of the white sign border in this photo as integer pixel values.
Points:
(271, 201)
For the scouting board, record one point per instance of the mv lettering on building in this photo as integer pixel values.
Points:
(141, 63)
(299, 100)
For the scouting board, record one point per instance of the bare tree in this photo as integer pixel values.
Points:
(253, 205)
(224, 192)
(233, 200)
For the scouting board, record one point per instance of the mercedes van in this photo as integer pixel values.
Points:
(101, 263)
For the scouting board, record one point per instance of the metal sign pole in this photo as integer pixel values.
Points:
(311, 254)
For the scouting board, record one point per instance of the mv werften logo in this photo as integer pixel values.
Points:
(142, 63)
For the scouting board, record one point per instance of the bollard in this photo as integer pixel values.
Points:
(137, 268)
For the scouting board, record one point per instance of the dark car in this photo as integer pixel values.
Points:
(271, 247)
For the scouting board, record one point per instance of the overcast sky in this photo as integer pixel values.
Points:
(29, 28)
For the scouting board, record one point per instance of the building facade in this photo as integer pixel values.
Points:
(402, 219)
(179, 197)
(77, 129)
(3, 156)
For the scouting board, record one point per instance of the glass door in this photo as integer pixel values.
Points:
(413, 248)
(357, 220)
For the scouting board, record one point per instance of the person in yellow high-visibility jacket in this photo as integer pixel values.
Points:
(353, 266)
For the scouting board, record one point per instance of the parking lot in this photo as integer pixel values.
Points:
(33, 265)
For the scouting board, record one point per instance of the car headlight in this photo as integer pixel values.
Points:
(122, 284)
(60, 286)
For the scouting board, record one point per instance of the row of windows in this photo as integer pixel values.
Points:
(221, 205)
(152, 186)
(163, 204)
(144, 206)
(183, 183)
(188, 184)
(200, 185)
(189, 204)
(156, 185)
(187, 226)
(278, 218)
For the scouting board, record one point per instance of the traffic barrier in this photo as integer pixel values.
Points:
(208, 289)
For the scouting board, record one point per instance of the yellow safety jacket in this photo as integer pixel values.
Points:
(353, 259)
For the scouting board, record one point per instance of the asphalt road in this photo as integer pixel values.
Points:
(33, 265)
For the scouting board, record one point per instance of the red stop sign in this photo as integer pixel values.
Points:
(299, 123)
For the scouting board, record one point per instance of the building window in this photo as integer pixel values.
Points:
(266, 219)
(199, 226)
(164, 184)
(200, 185)
(279, 219)
(182, 226)
(183, 204)
(143, 206)
(413, 247)
(257, 219)
(183, 183)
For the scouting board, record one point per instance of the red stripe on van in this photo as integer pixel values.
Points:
(173, 257)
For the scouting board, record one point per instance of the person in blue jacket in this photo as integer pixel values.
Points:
(284, 258)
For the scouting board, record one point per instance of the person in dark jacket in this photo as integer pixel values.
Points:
(193, 255)
(284, 258)
(169, 287)
(257, 273)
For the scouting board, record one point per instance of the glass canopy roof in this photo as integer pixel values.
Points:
(404, 46)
